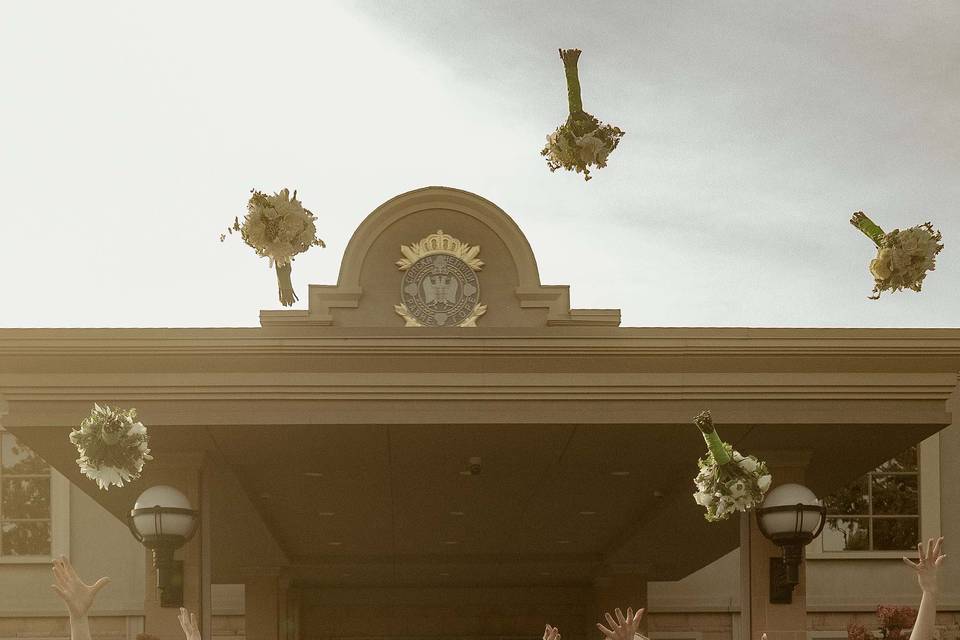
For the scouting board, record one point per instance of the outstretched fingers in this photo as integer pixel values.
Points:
(99, 584)
(68, 568)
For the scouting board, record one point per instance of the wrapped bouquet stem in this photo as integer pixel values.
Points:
(728, 481)
(277, 227)
(582, 141)
(903, 256)
(287, 295)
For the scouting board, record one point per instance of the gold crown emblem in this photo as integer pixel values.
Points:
(439, 243)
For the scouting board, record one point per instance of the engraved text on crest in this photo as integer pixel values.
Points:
(440, 287)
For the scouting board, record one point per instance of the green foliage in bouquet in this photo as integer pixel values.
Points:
(728, 481)
(112, 444)
(582, 141)
(903, 256)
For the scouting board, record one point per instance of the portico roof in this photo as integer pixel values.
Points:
(343, 436)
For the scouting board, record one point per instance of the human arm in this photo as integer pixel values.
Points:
(926, 569)
(77, 595)
(188, 622)
(623, 628)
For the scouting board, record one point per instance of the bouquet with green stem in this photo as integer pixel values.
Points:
(582, 141)
(903, 256)
(728, 481)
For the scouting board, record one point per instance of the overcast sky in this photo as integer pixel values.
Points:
(131, 133)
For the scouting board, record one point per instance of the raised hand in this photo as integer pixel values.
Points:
(930, 561)
(623, 628)
(77, 595)
(551, 633)
(188, 622)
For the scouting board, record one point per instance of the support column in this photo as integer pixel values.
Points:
(267, 608)
(183, 472)
(778, 621)
(617, 591)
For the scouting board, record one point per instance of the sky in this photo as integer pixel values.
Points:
(132, 133)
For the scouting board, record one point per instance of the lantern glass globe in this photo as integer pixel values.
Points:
(169, 524)
(786, 522)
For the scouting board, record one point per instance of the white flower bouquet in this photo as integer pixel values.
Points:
(277, 227)
(112, 446)
(582, 141)
(903, 257)
(728, 481)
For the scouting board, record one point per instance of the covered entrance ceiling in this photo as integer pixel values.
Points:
(334, 441)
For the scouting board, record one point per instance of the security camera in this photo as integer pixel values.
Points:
(475, 466)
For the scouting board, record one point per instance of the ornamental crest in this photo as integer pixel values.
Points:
(440, 287)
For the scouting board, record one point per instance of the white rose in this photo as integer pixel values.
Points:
(880, 266)
(590, 146)
(703, 499)
(748, 464)
(136, 428)
(764, 482)
(910, 240)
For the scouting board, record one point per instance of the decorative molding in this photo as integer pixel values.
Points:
(323, 299)
(439, 243)
(410, 386)
(925, 350)
(588, 318)
(293, 317)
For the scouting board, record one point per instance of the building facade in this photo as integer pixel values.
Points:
(440, 446)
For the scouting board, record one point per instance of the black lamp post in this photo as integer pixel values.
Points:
(162, 520)
(790, 517)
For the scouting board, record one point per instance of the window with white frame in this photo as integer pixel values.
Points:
(886, 511)
(26, 519)
(34, 506)
(879, 511)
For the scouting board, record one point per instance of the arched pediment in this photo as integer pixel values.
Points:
(439, 255)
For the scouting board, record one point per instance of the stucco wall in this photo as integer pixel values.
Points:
(99, 546)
